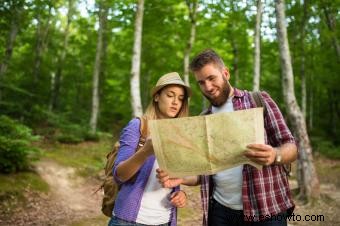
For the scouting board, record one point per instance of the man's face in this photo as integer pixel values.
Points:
(214, 83)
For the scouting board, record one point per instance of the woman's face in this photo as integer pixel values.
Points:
(170, 101)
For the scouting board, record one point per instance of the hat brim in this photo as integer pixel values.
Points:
(158, 88)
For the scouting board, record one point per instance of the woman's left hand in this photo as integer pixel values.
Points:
(178, 199)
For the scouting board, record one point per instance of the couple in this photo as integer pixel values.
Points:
(242, 195)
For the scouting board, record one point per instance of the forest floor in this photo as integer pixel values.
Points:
(71, 200)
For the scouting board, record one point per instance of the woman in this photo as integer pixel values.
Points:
(141, 199)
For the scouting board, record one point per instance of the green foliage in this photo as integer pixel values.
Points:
(16, 153)
(325, 147)
(226, 26)
(59, 127)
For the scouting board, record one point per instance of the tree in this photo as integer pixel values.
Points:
(102, 14)
(41, 37)
(136, 101)
(307, 178)
(56, 80)
(257, 47)
(16, 8)
(192, 6)
(303, 59)
(331, 24)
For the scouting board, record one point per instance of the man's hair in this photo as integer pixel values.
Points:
(207, 56)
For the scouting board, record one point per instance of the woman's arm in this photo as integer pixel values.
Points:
(128, 168)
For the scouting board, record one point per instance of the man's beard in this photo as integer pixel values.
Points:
(223, 97)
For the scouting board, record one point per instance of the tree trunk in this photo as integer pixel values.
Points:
(235, 61)
(307, 178)
(136, 61)
(60, 63)
(17, 11)
(330, 21)
(257, 46)
(234, 46)
(41, 36)
(97, 68)
(303, 60)
(192, 6)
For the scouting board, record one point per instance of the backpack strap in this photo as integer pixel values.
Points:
(258, 99)
(143, 129)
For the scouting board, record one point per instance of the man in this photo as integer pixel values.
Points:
(243, 195)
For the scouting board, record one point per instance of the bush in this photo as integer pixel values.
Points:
(58, 127)
(16, 153)
(325, 147)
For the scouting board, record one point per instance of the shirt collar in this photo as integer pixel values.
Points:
(237, 94)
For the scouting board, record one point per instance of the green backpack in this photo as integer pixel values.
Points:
(109, 185)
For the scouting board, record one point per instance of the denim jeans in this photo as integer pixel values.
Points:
(220, 215)
(115, 221)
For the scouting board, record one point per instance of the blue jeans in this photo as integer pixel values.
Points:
(220, 215)
(115, 221)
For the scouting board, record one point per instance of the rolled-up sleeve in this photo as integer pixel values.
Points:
(128, 141)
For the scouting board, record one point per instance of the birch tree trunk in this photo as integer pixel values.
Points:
(136, 102)
(192, 6)
(60, 63)
(309, 186)
(235, 61)
(97, 68)
(234, 46)
(257, 47)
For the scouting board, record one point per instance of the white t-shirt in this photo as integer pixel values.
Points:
(155, 206)
(228, 183)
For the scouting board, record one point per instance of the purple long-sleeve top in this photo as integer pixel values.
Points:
(129, 197)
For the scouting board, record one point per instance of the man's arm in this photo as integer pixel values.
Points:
(266, 155)
(168, 182)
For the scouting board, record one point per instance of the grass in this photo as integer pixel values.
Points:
(14, 186)
(21, 181)
(87, 157)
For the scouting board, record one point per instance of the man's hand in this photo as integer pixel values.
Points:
(178, 199)
(166, 181)
(262, 154)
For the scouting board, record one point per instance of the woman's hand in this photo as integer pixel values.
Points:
(148, 147)
(178, 199)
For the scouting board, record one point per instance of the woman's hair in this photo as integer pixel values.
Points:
(152, 111)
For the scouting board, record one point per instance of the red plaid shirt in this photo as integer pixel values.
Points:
(266, 191)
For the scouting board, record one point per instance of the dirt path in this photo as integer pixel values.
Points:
(70, 199)
(71, 191)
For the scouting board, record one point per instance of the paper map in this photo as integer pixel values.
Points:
(203, 145)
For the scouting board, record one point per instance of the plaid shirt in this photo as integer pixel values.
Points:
(266, 191)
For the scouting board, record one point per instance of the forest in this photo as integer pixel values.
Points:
(76, 71)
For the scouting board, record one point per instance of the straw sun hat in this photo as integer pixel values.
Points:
(171, 78)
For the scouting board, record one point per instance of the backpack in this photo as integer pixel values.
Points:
(258, 100)
(109, 185)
